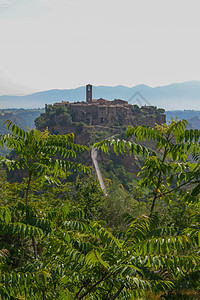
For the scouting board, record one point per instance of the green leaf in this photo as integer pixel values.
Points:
(94, 258)
(170, 179)
(65, 210)
(37, 135)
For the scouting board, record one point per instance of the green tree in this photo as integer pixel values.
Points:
(55, 115)
(36, 152)
(89, 196)
(170, 175)
(167, 168)
(39, 153)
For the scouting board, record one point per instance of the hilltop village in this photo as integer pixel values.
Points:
(104, 112)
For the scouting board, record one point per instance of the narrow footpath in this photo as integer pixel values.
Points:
(94, 152)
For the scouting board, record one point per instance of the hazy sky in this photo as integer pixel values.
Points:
(49, 44)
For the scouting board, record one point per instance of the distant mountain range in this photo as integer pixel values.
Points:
(177, 96)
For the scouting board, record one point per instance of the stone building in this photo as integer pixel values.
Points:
(106, 112)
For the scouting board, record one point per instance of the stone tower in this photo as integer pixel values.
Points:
(88, 93)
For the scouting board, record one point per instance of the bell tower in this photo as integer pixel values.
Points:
(88, 93)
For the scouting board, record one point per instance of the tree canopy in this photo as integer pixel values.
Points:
(54, 242)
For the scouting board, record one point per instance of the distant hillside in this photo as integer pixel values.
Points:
(170, 97)
(22, 117)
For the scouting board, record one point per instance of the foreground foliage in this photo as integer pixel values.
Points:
(54, 248)
(166, 169)
(78, 259)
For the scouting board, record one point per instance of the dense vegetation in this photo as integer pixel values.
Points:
(62, 240)
(54, 115)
